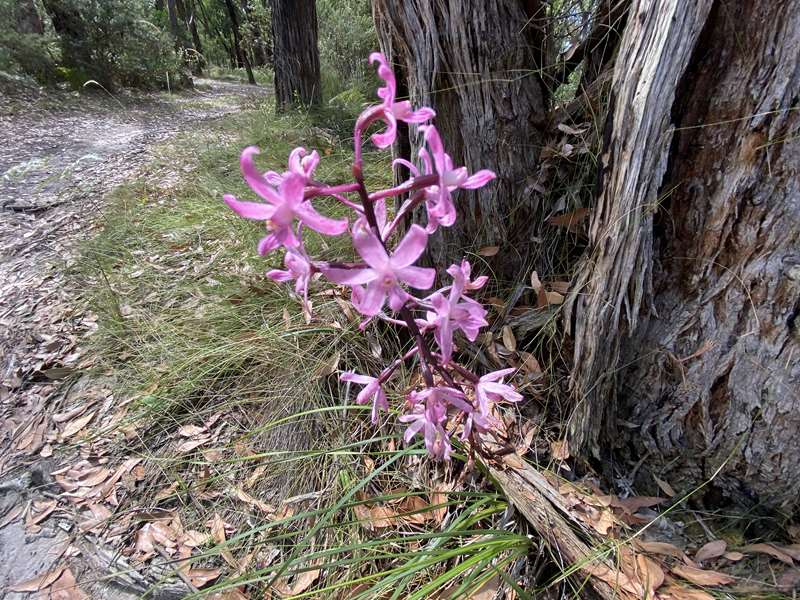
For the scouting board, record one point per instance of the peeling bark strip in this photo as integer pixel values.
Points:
(689, 297)
(475, 62)
(296, 55)
(616, 276)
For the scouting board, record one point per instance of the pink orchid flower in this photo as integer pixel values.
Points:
(372, 390)
(300, 162)
(389, 111)
(451, 314)
(384, 273)
(298, 269)
(282, 207)
(429, 413)
(456, 312)
(461, 277)
(490, 389)
(441, 206)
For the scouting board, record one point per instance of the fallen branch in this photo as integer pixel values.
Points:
(543, 507)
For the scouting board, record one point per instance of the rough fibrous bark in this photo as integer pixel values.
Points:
(689, 295)
(295, 52)
(474, 62)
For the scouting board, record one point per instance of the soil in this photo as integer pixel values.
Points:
(61, 154)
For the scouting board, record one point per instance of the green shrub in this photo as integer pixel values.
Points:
(112, 42)
(347, 36)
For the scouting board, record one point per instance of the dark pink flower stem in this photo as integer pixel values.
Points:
(408, 186)
(388, 371)
(467, 374)
(425, 357)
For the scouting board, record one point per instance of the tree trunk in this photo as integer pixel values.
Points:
(28, 19)
(237, 41)
(475, 62)
(194, 57)
(295, 52)
(172, 12)
(684, 309)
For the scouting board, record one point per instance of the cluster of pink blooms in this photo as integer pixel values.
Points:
(453, 396)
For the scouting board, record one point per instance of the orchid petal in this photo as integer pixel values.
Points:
(421, 278)
(397, 298)
(370, 247)
(410, 247)
(421, 115)
(372, 301)
(309, 216)
(478, 180)
(281, 276)
(258, 211)
(350, 376)
(356, 276)
(408, 165)
(268, 244)
(257, 182)
(387, 137)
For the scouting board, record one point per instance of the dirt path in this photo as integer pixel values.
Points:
(59, 157)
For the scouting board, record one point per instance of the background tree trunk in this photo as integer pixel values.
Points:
(295, 52)
(684, 309)
(28, 19)
(237, 41)
(475, 62)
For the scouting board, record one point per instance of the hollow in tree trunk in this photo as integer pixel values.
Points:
(685, 310)
(295, 52)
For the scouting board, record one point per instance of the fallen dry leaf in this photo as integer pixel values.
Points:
(650, 573)
(554, 298)
(665, 487)
(76, 425)
(530, 364)
(39, 582)
(677, 592)
(66, 588)
(191, 430)
(12, 515)
(489, 250)
(201, 577)
(560, 449)
(634, 503)
(217, 526)
(260, 504)
(711, 550)
(191, 444)
(616, 579)
(509, 341)
(770, 550)
(701, 576)
(733, 556)
(570, 220)
(302, 581)
(562, 287)
(662, 548)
